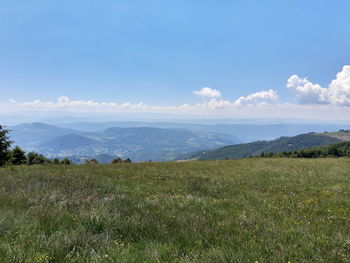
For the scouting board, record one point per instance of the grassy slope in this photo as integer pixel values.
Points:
(342, 135)
(266, 210)
(256, 148)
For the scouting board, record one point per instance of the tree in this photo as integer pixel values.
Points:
(66, 161)
(35, 158)
(56, 161)
(117, 160)
(30, 157)
(18, 156)
(5, 145)
(127, 160)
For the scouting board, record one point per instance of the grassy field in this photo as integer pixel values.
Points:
(265, 210)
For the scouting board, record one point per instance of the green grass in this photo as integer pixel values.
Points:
(341, 132)
(266, 210)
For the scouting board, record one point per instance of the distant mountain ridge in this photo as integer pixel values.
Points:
(237, 133)
(31, 134)
(137, 143)
(256, 148)
(161, 141)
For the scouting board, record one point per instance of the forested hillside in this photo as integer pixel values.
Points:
(256, 148)
(329, 151)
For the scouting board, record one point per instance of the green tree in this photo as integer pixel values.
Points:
(56, 161)
(18, 156)
(117, 160)
(35, 158)
(30, 157)
(5, 144)
(66, 161)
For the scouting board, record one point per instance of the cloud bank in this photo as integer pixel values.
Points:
(315, 102)
(337, 93)
(212, 108)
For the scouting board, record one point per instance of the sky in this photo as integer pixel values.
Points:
(226, 59)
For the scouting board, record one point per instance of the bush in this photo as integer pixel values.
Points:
(117, 160)
(120, 160)
(18, 156)
(35, 158)
(56, 161)
(66, 161)
(127, 160)
(92, 161)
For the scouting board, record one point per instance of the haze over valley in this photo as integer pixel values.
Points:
(144, 141)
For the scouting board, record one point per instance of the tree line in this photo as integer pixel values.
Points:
(337, 150)
(17, 156)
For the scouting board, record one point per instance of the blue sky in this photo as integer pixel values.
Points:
(160, 52)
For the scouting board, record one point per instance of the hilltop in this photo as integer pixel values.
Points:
(256, 148)
(343, 135)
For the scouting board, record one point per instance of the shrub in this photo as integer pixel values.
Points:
(92, 161)
(18, 156)
(120, 160)
(66, 161)
(35, 158)
(56, 161)
(117, 160)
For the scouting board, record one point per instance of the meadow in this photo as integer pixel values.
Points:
(249, 210)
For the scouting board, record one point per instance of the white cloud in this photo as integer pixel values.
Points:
(65, 104)
(213, 102)
(262, 96)
(306, 91)
(339, 89)
(250, 107)
(338, 92)
(208, 92)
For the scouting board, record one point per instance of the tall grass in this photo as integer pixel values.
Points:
(265, 210)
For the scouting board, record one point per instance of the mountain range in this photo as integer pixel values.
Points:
(137, 143)
(164, 141)
(235, 132)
